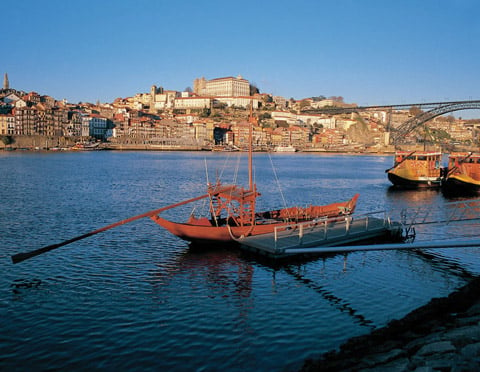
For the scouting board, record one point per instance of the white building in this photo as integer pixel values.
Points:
(288, 117)
(225, 87)
(192, 102)
(96, 126)
(239, 101)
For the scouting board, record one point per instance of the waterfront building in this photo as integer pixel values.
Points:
(74, 126)
(295, 136)
(7, 124)
(241, 134)
(276, 137)
(51, 121)
(329, 138)
(96, 126)
(200, 132)
(26, 122)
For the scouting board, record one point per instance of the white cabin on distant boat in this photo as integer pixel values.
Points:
(288, 148)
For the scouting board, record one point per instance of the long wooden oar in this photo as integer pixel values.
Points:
(400, 162)
(19, 257)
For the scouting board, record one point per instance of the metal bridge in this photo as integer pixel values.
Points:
(434, 109)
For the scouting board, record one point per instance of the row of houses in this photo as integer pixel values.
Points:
(146, 129)
(130, 126)
(131, 121)
(54, 122)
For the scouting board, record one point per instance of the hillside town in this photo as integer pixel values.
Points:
(215, 114)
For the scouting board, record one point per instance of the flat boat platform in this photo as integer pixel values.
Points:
(309, 237)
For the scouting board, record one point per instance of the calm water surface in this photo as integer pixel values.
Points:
(135, 297)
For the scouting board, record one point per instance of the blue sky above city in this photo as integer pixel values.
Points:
(371, 52)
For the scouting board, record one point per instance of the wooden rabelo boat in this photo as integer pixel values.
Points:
(416, 169)
(233, 216)
(463, 174)
(232, 213)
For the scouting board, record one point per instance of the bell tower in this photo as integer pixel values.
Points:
(6, 85)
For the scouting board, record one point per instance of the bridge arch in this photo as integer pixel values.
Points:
(419, 120)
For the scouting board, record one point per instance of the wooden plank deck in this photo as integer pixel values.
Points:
(327, 233)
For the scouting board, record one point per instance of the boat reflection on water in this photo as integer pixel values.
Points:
(224, 268)
(229, 273)
(398, 199)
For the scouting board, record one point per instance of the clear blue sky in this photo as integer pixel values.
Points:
(368, 51)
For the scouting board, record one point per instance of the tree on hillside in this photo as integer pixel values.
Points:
(415, 111)
(7, 140)
(304, 104)
(254, 89)
(205, 113)
(336, 99)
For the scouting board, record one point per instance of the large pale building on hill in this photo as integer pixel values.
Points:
(222, 87)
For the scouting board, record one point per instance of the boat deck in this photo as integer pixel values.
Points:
(309, 237)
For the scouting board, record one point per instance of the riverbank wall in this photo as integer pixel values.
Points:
(443, 335)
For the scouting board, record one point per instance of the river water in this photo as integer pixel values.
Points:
(137, 298)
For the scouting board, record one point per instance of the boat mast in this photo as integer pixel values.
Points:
(250, 156)
(251, 120)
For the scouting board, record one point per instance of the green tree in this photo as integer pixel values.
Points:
(205, 113)
(415, 111)
(304, 104)
(7, 140)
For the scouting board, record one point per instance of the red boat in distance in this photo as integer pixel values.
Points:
(232, 214)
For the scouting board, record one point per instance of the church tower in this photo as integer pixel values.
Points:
(6, 85)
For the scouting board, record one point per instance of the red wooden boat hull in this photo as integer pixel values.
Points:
(201, 230)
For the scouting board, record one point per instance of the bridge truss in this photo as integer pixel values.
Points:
(434, 109)
(421, 119)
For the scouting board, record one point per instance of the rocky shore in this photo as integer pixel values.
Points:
(443, 335)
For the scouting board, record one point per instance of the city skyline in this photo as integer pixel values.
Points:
(369, 52)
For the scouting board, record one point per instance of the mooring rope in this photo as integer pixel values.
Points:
(277, 181)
